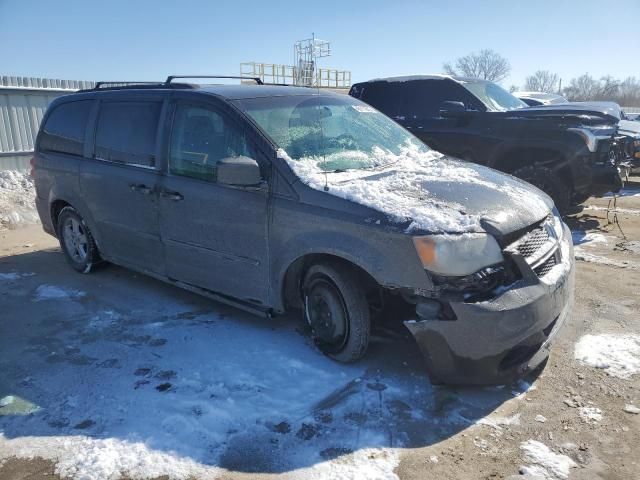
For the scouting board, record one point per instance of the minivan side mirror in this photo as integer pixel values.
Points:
(452, 109)
(239, 171)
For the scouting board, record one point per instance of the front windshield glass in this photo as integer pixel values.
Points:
(496, 98)
(336, 132)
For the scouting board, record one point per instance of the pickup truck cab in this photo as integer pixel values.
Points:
(277, 199)
(561, 149)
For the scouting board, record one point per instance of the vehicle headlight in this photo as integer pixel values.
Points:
(589, 138)
(558, 225)
(457, 255)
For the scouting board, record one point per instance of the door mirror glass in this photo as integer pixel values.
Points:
(452, 109)
(239, 171)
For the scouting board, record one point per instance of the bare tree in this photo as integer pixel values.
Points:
(583, 88)
(629, 92)
(513, 88)
(542, 81)
(486, 64)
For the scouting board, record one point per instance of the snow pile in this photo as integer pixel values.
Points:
(17, 199)
(80, 457)
(582, 255)
(545, 463)
(51, 292)
(401, 188)
(619, 355)
(589, 238)
(590, 414)
(497, 422)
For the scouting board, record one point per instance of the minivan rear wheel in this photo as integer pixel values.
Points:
(548, 182)
(336, 309)
(76, 241)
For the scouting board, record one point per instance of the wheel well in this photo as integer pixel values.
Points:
(56, 207)
(514, 159)
(296, 271)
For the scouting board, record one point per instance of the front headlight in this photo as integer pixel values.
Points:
(457, 255)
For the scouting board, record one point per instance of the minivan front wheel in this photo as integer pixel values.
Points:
(336, 309)
(76, 241)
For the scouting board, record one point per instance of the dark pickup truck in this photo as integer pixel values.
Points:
(561, 149)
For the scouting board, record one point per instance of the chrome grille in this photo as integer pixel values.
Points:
(533, 241)
(538, 247)
(546, 266)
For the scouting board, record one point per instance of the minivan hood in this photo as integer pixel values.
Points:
(426, 192)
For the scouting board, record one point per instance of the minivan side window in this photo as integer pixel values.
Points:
(64, 128)
(126, 132)
(200, 138)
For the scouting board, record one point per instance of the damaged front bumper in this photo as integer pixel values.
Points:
(501, 339)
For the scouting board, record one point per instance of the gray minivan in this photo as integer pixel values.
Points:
(273, 198)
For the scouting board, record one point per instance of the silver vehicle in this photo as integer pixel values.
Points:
(279, 198)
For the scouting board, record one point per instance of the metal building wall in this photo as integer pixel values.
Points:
(23, 102)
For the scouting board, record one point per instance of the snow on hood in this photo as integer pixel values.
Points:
(429, 191)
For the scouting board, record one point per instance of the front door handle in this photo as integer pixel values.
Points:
(175, 196)
(140, 188)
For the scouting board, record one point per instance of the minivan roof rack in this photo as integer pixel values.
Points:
(255, 79)
(100, 85)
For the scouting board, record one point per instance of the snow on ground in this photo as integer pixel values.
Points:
(405, 189)
(625, 192)
(545, 463)
(13, 276)
(17, 199)
(142, 384)
(580, 237)
(590, 414)
(48, 292)
(584, 256)
(628, 211)
(618, 355)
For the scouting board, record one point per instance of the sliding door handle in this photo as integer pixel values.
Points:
(140, 188)
(175, 196)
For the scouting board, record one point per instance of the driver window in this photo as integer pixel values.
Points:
(200, 138)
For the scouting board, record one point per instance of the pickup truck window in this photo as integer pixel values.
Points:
(496, 98)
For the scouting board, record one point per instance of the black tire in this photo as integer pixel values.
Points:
(76, 241)
(336, 309)
(549, 183)
(580, 198)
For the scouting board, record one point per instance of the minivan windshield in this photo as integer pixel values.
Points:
(496, 98)
(336, 132)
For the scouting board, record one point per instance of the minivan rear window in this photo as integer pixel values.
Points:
(64, 129)
(126, 132)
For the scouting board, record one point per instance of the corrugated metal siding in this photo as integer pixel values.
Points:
(23, 102)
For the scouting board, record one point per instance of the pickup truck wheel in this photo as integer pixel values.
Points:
(76, 241)
(336, 309)
(579, 198)
(549, 183)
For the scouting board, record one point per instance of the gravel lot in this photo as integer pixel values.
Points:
(116, 375)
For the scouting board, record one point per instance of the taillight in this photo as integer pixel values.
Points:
(32, 162)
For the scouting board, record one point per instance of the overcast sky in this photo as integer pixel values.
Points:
(147, 40)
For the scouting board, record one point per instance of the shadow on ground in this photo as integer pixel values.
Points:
(117, 355)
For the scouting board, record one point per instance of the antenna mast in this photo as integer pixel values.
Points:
(306, 54)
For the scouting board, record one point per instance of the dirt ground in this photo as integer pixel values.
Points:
(486, 444)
